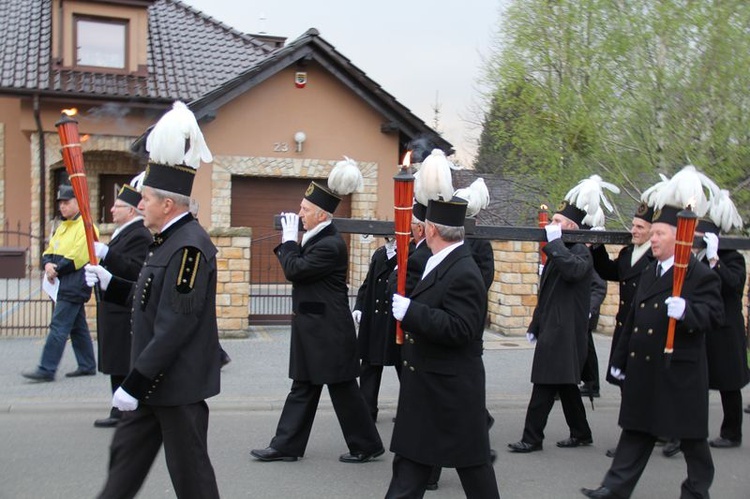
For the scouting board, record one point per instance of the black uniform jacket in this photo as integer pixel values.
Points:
(373, 300)
(175, 355)
(727, 346)
(127, 251)
(441, 418)
(628, 276)
(324, 343)
(668, 401)
(561, 317)
(481, 251)
(418, 256)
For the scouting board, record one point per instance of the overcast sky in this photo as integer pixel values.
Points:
(419, 51)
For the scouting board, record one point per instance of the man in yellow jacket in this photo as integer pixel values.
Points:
(64, 259)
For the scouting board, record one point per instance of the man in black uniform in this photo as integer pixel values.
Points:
(660, 399)
(726, 347)
(123, 257)
(372, 311)
(323, 344)
(561, 344)
(441, 418)
(175, 359)
(625, 269)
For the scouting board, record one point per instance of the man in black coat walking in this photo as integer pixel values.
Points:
(372, 311)
(726, 347)
(441, 418)
(558, 327)
(123, 257)
(660, 399)
(175, 359)
(323, 343)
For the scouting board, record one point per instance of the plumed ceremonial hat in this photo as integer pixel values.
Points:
(582, 202)
(451, 213)
(344, 179)
(176, 148)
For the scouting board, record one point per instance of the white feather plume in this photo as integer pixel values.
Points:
(166, 142)
(723, 212)
(687, 187)
(476, 195)
(650, 195)
(588, 194)
(345, 177)
(433, 180)
(137, 181)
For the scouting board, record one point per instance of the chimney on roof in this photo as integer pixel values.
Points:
(273, 42)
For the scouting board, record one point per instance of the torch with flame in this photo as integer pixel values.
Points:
(67, 129)
(403, 197)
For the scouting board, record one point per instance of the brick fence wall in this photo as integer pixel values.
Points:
(512, 297)
(233, 278)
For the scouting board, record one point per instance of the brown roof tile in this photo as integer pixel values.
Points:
(189, 54)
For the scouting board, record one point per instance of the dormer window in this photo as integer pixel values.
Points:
(101, 42)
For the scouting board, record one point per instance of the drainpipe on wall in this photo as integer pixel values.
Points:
(42, 178)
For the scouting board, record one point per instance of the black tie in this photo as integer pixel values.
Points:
(659, 270)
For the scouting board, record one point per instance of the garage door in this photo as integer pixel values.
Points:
(255, 202)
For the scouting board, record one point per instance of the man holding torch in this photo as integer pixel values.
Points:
(64, 260)
(666, 394)
(441, 418)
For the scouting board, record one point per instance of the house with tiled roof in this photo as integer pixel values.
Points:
(274, 115)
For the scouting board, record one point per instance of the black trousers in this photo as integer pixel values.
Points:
(634, 450)
(369, 384)
(540, 405)
(731, 425)
(409, 480)
(590, 372)
(183, 430)
(298, 414)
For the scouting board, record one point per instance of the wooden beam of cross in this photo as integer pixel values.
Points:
(505, 233)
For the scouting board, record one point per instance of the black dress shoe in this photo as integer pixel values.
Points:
(270, 454)
(524, 447)
(671, 448)
(432, 486)
(611, 452)
(747, 409)
(37, 375)
(360, 457)
(600, 493)
(79, 372)
(109, 422)
(574, 442)
(724, 443)
(225, 358)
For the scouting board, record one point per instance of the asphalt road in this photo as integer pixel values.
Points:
(50, 449)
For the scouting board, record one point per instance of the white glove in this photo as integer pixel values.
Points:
(97, 273)
(357, 316)
(289, 227)
(390, 248)
(675, 307)
(101, 250)
(399, 306)
(617, 373)
(554, 231)
(531, 337)
(541, 268)
(712, 245)
(124, 401)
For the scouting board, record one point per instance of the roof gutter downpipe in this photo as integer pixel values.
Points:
(42, 177)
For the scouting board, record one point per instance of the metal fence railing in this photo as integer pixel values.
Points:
(25, 310)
